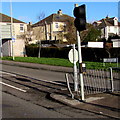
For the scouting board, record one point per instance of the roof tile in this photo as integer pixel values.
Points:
(5, 18)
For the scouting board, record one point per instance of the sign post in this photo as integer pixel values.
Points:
(73, 58)
(110, 60)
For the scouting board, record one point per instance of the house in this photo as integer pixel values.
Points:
(51, 27)
(14, 40)
(108, 27)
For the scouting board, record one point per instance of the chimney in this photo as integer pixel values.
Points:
(30, 23)
(76, 5)
(29, 26)
(60, 12)
(115, 21)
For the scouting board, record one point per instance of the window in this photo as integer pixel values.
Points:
(115, 30)
(21, 28)
(64, 26)
(108, 28)
(115, 22)
(56, 25)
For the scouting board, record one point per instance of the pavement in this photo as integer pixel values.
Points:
(106, 104)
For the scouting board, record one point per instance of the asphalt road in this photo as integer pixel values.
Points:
(34, 104)
(13, 107)
(91, 81)
(35, 73)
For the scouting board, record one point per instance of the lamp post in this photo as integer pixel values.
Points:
(1, 55)
(12, 29)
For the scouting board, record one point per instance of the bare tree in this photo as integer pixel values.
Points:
(40, 17)
(108, 47)
(34, 32)
(68, 31)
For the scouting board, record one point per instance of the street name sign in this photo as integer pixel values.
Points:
(111, 60)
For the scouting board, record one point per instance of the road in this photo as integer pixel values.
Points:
(14, 107)
(35, 73)
(32, 103)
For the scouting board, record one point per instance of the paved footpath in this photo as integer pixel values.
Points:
(38, 66)
(106, 104)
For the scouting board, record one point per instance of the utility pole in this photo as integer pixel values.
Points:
(1, 54)
(12, 30)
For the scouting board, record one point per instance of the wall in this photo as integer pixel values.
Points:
(6, 48)
(19, 44)
(113, 29)
(17, 31)
(39, 32)
(5, 30)
(19, 47)
(116, 44)
(56, 31)
(95, 44)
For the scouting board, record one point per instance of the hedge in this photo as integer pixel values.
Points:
(88, 54)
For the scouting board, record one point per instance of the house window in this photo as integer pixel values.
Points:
(55, 37)
(115, 29)
(56, 25)
(50, 37)
(21, 28)
(64, 26)
(108, 28)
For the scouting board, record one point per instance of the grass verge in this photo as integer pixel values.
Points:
(60, 62)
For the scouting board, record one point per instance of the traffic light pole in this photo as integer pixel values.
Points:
(80, 66)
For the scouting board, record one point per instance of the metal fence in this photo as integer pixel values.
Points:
(115, 79)
(103, 80)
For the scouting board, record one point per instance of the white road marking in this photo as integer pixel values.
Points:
(13, 87)
(7, 73)
(12, 74)
(43, 80)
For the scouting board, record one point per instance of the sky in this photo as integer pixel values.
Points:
(29, 11)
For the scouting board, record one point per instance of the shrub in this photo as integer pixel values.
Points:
(88, 54)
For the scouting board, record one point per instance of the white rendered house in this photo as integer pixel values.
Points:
(108, 27)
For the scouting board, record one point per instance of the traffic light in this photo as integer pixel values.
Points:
(80, 20)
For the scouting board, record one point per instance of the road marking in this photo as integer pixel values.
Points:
(8, 73)
(13, 87)
(53, 82)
